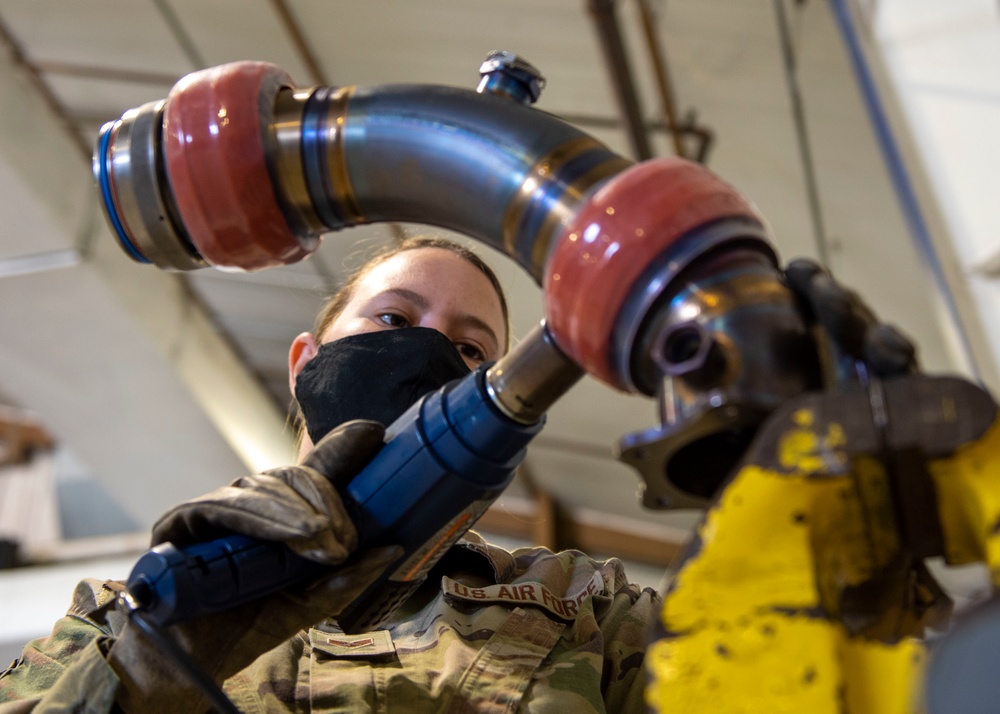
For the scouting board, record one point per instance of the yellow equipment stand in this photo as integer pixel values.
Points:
(804, 589)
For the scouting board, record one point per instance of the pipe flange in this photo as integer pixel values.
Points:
(149, 226)
(214, 126)
(613, 238)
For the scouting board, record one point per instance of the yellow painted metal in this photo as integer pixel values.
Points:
(881, 678)
(968, 491)
(750, 622)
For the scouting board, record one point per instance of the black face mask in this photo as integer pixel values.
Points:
(374, 375)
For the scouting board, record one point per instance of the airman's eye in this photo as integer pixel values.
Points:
(470, 352)
(391, 319)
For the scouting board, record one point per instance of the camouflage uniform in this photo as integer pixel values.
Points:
(491, 631)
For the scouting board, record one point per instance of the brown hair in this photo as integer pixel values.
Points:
(338, 301)
(335, 305)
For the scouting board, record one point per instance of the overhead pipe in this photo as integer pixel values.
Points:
(678, 129)
(612, 44)
(802, 134)
(662, 75)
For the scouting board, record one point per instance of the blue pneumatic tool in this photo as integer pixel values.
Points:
(445, 460)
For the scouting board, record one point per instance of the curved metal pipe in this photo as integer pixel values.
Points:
(241, 171)
(245, 172)
(493, 169)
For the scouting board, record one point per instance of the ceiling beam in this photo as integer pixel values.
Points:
(108, 74)
(16, 56)
(299, 42)
(118, 360)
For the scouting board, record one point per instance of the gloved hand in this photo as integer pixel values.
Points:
(849, 322)
(298, 506)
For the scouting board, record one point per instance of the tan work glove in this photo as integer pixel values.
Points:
(298, 506)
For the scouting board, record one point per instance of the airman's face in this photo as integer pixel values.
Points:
(427, 287)
(422, 287)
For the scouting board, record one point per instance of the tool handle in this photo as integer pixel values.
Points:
(446, 459)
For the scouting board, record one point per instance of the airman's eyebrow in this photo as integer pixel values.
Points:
(416, 298)
(464, 319)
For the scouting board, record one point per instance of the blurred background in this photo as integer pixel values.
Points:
(863, 130)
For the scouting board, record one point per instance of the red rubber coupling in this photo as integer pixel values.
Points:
(623, 227)
(215, 161)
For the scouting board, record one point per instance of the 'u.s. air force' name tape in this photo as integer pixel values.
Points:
(525, 593)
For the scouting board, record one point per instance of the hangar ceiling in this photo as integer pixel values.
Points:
(163, 386)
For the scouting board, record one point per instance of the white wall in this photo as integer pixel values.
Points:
(942, 59)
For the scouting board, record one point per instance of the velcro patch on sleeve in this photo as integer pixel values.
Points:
(337, 644)
(536, 593)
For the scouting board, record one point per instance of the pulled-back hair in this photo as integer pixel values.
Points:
(338, 301)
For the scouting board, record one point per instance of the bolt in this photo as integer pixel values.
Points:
(507, 75)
